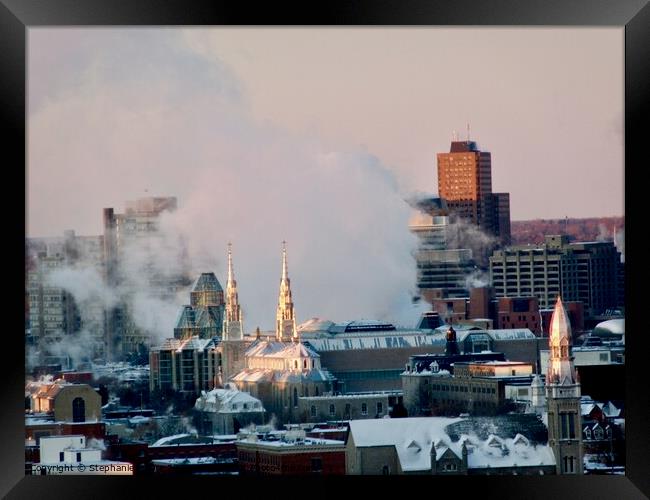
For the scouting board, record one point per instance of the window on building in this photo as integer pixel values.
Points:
(78, 410)
(61, 456)
(347, 410)
(78, 456)
(598, 433)
(295, 397)
(332, 410)
(385, 470)
(587, 433)
(380, 408)
(313, 410)
(364, 409)
(317, 464)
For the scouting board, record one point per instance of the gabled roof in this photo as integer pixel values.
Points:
(413, 439)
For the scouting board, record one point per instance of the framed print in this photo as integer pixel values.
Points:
(351, 241)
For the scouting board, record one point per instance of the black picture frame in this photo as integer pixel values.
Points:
(16, 16)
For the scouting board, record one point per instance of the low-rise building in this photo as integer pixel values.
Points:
(185, 365)
(290, 453)
(225, 411)
(71, 455)
(449, 446)
(348, 406)
(476, 387)
(64, 401)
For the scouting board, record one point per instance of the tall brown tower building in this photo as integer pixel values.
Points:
(465, 183)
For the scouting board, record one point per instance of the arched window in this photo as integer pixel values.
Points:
(304, 364)
(78, 410)
(295, 364)
(587, 433)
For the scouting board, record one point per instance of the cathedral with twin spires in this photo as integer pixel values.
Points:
(275, 369)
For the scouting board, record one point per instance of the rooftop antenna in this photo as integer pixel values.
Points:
(467, 131)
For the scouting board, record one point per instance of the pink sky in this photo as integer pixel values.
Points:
(316, 136)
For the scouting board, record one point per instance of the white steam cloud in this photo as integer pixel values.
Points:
(237, 180)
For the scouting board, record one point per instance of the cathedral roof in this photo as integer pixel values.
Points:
(276, 349)
(268, 375)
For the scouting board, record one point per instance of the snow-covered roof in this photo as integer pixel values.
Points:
(192, 461)
(228, 401)
(414, 437)
(191, 343)
(276, 349)
(168, 439)
(270, 375)
(405, 338)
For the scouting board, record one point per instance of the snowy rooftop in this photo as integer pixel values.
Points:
(413, 439)
(267, 374)
(227, 401)
(404, 338)
(275, 349)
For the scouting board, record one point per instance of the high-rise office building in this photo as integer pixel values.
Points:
(442, 269)
(465, 183)
(132, 241)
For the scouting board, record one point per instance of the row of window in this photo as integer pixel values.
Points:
(364, 409)
(461, 388)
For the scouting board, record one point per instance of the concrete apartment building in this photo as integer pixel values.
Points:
(585, 272)
(52, 313)
(131, 240)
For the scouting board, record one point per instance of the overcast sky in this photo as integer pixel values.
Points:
(316, 135)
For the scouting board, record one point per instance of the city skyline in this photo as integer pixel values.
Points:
(263, 139)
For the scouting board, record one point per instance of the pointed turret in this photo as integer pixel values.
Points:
(285, 329)
(560, 369)
(232, 324)
(563, 397)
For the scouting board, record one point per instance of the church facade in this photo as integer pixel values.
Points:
(277, 371)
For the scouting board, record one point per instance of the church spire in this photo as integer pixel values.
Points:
(230, 273)
(285, 328)
(232, 323)
(285, 273)
(560, 368)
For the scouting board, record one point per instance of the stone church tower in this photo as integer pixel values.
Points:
(233, 345)
(233, 328)
(285, 326)
(563, 397)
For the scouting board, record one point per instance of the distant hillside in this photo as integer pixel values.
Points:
(592, 229)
